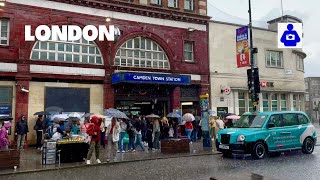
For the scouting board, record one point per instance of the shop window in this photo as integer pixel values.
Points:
(283, 102)
(299, 60)
(188, 51)
(173, 3)
(274, 102)
(142, 53)
(4, 31)
(265, 101)
(81, 51)
(188, 5)
(274, 59)
(242, 102)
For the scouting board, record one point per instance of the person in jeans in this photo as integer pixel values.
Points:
(21, 130)
(112, 134)
(139, 126)
(156, 134)
(123, 126)
(38, 127)
(195, 125)
(188, 128)
(95, 133)
(132, 135)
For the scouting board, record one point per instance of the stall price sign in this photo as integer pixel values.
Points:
(242, 47)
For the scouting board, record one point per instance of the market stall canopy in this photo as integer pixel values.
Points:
(233, 117)
(5, 118)
(41, 113)
(54, 109)
(188, 117)
(174, 115)
(152, 116)
(115, 113)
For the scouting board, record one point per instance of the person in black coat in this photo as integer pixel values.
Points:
(21, 130)
(38, 127)
(149, 134)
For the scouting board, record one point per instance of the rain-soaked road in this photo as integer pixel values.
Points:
(291, 166)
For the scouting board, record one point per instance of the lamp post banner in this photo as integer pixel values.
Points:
(242, 47)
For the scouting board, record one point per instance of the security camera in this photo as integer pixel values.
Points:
(24, 90)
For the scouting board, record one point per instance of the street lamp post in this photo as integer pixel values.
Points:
(254, 89)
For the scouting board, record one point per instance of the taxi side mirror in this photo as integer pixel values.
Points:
(270, 125)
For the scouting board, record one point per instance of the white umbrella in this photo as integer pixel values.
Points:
(188, 117)
(74, 115)
(60, 116)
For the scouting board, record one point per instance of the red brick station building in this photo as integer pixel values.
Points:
(160, 39)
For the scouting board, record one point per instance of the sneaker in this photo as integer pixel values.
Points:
(88, 162)
(98, 161)
(134, 150)
(123, 151)
(108, 160)
(153, 149)
(190, 142)
(118, 151)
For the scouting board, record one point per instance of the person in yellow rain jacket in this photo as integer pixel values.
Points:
(212, 125)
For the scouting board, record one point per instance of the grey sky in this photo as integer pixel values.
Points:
(236, 11)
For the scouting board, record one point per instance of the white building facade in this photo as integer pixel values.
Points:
(281, 72)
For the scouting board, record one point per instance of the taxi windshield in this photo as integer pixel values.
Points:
(251, 121)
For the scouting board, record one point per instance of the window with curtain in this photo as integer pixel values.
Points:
(299, 60)
(265, 102)
(274, 59)
(274, 102)
(283, 102)
(141, 52)
(242, 102)
(80, 51)
(4, 31)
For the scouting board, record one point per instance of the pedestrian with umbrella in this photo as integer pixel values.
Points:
(188, 118)
(112, 133)
(38, 127)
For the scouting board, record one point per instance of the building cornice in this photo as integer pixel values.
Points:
(137, 9)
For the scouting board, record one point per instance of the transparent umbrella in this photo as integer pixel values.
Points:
(188, 117)
(115, 113)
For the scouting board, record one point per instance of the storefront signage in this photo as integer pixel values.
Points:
(242, 47)
(266, 84)
(150, 78)
(5, 109)
(72, 33)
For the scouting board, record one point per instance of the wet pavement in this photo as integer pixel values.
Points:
(30, 159)
(196, 165)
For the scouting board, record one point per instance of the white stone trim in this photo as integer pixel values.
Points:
(66, 70)
(106, 13)
(8, 67)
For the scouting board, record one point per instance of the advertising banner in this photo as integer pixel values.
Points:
(242, 47)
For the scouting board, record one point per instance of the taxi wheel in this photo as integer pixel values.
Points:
(259, 150)
(308, 146)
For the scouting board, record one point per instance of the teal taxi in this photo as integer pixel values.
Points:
(265, 133)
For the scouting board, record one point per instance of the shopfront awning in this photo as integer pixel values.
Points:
(150, 78)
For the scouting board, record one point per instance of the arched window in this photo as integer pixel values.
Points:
(142, 53)
(80, 51)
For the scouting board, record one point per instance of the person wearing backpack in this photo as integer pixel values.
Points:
(95, 133)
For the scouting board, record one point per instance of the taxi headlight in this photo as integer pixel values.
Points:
(241, 137)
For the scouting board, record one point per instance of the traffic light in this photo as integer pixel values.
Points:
(255, 97)
(256, 81)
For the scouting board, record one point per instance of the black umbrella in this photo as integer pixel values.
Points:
(6, 118)
(54, 109)
(42, 113)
